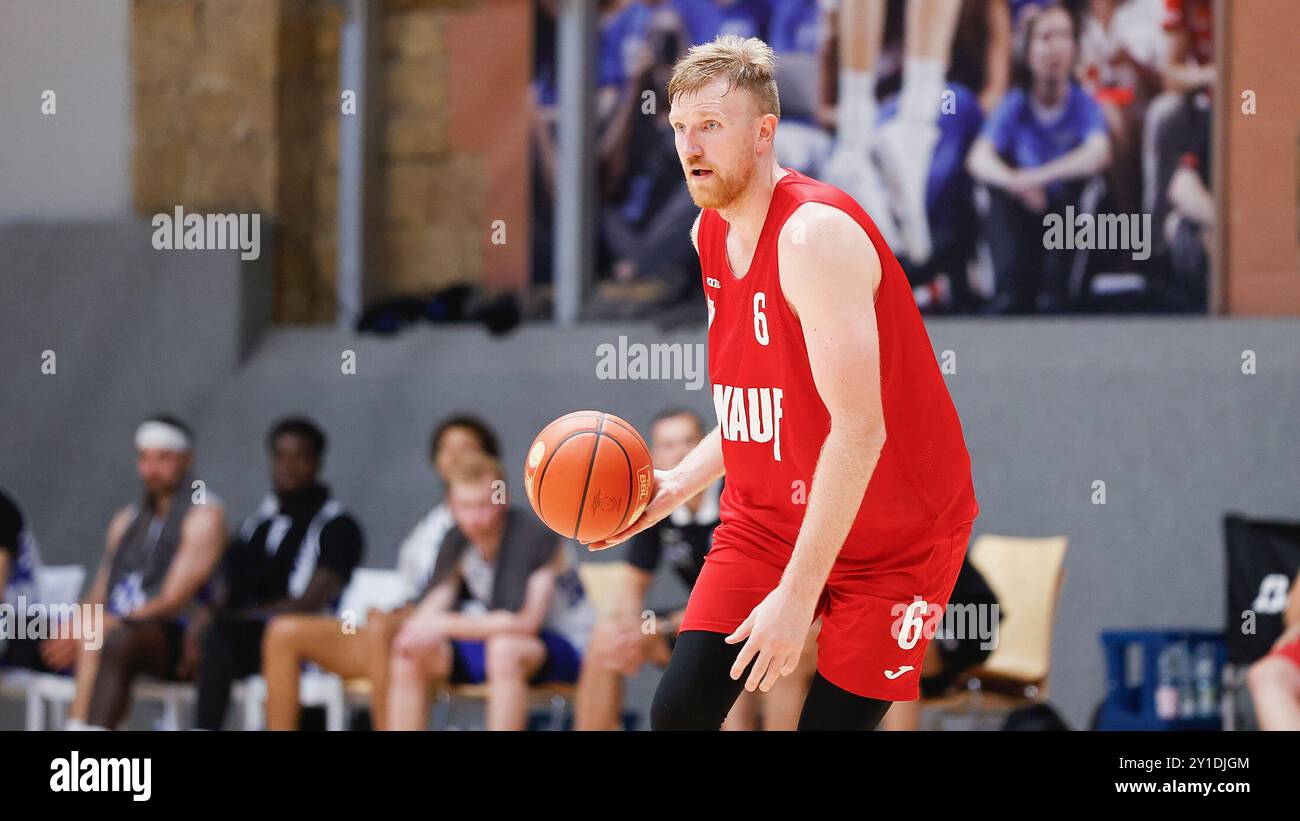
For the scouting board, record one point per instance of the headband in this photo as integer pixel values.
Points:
(155, 435)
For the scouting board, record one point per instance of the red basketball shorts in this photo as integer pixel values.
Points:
(875, 627)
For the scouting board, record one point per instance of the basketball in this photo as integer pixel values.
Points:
(588, 475)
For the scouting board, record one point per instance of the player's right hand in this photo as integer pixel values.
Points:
(666, 499)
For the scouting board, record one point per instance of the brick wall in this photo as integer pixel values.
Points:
(237, 108)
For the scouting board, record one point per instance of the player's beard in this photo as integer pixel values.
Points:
(721, 190)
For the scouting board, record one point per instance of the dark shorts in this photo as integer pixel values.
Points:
(562, 665)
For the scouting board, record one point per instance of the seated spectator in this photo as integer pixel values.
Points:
(505, 607)
(1035, 155)
(159, 555)
(646, 211)
(948, 657)
(621, 643)
(1176, 144)
(19, 561)
(1120, 46)
(1189, 231)
(293, 639)
(1275, 679)
(295, 554)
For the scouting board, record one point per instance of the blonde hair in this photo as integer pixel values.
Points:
(747, 63)
(474, 468)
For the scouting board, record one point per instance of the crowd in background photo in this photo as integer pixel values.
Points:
(959, 125)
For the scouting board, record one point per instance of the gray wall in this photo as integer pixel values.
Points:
(1158, 408)
(74, 164)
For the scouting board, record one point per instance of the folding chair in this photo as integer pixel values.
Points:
(55, 584)
(1026, 575)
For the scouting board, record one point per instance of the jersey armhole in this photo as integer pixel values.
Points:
(875, 297)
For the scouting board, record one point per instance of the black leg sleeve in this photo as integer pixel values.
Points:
(830, 708)
(697, 690)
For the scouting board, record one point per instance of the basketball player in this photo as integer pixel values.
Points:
(848, 492)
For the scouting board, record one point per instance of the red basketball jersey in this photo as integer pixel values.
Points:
(773, 421)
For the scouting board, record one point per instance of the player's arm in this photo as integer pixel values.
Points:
(203, 540)
(699, 469)
(829, 280)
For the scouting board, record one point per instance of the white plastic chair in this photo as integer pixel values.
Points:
(60, 584)
(55, 584)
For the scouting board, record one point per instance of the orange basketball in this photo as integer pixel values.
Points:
(588, 475)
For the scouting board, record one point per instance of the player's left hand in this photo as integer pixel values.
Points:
(774, 635)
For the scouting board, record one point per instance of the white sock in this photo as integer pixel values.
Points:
(922, 92)
(857, 103)
(74, 724)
